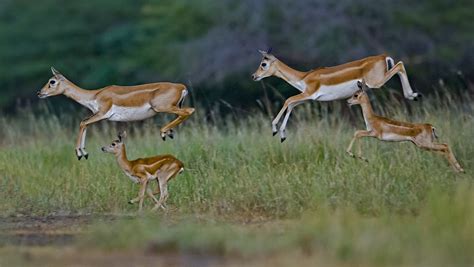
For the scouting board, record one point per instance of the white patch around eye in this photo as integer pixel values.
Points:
(53, 84)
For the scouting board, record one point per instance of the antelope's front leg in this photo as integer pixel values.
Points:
(141, 194)
(357, 135)
(282, 111)
(81, 139)
(291, 106)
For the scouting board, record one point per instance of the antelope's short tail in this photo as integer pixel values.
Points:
(433, 132)
(390, 63)
(184, 93)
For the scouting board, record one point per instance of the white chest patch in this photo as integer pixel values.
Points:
(300, 85)
(336, 92)
(91, 105)
(119, 113)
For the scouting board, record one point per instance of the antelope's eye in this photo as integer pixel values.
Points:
(113, 144)
(264, 64)
(52, 82)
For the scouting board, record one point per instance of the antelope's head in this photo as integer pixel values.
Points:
(55, 85)
(117, 145)
(266, 67)
(360, 96)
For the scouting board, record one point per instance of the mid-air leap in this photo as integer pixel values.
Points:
(121, 103)
(332, 83)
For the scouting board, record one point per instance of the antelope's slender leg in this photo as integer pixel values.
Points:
(291, 106)
(163, 182)
(358, 134)
(150, 194)
(399, 69)
(444, 149)
(141, 194)
(81, 139)
(163, 191)
(283, 109)
(359, 151)
(182, 113)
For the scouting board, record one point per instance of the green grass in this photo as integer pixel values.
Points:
(441, 235)
(406, 206)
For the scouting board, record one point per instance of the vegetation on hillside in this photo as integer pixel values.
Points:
(211, 45)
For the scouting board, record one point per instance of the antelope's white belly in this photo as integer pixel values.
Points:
(336, 92)
(394, 137)
(119, 113)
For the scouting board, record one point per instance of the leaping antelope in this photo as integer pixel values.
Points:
(332, 83)
(160, 168)
(121, 103)
(422, 135)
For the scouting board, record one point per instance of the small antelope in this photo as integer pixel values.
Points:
(332, 83)
(142, 170)
(121, 103)
(423, 135)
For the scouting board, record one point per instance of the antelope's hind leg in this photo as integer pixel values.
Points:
(448, 153)
(399, 69)
(443, 149)
(163, 179)
(182, 113)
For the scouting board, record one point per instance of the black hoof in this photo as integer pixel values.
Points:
(171, 135)
(282, 139)
(164, 138)
(79, 157)
(130, 202)
(86, 156)
(418, 97)
(274, 133)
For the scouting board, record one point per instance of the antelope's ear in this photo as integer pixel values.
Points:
(122, 135)
(55, 72)
(359, 84)
(262, 52)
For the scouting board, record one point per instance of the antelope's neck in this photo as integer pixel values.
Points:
(368, 114)
(123, 162)
(81, 96)
(291, 76)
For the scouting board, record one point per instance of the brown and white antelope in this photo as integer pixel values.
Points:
(331, 83)
(121, 103)
(143, 170)
(423, 135)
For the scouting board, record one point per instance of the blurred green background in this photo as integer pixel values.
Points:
(212, 45)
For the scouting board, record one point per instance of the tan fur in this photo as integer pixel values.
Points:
(161, 168)
(338, 82)
(121, 103)
(385, 129)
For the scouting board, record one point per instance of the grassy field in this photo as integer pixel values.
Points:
(244, 194)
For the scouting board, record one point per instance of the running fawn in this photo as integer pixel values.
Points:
(423, 135)
(161, 168)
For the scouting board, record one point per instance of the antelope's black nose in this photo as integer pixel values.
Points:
(254, 77)
(103, 149)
